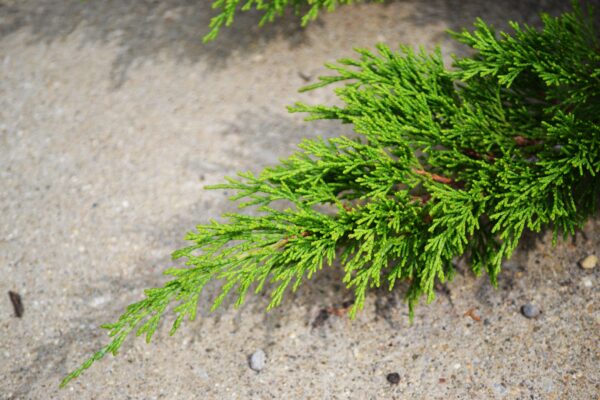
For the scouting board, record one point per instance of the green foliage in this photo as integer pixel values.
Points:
(446, 163)
(270, 9)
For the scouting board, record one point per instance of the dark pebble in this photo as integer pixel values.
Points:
(393, 378)
(530, 311)
(17, 303)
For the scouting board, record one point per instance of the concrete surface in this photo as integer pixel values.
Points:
(113, 115)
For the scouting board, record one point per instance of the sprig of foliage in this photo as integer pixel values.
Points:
(270, 9)
(447, 163)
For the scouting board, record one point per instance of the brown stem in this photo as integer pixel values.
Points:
(435, 177)
(522, 141)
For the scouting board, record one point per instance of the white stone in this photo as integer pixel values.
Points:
(258, 360)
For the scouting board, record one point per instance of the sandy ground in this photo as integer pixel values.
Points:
(113, 116)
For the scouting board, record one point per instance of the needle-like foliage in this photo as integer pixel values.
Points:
(446, 163)
(270, 9)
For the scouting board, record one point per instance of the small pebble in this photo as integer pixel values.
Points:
(530, 311)
(258, 360)
(587, 282)
(500, 389)
(393, 378)
(202, 374)
(590, 262)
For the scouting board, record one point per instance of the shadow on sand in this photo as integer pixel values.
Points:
(146, 29)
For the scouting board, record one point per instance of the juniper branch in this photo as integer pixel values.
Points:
(270, 9)
(447, 163)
